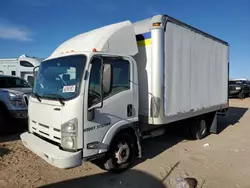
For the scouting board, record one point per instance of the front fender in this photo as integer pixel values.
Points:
(113, 130)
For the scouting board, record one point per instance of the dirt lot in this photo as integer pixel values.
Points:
(218, 161)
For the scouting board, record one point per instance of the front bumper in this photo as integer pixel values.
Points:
(51, 153)
(234, 93)
(19, 114)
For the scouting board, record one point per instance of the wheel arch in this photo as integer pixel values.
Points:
(3, 106)
(121, 127)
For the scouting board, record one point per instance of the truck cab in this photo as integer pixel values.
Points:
(83, 96)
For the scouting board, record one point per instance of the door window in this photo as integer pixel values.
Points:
(120, 79)
(120, 75)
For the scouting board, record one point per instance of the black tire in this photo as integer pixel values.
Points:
(241, 95)
(245, 95)
(123, 140)
(199, 128)
(4, 120)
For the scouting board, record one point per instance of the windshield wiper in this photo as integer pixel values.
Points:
(58, 97)
(37, 96)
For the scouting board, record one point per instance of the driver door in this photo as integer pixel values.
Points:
(118, 103)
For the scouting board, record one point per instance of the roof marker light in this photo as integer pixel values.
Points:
(156, 24)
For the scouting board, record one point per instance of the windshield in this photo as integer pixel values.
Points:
(60, 78)
(13, 82)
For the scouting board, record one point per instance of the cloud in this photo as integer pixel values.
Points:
(11, 31)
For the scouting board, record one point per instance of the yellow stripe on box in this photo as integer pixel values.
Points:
(144, 42)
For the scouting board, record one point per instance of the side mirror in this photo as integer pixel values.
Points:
(107, 78)
(35, 70)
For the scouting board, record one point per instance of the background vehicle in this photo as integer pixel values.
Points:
(14, 94)
(239, 88)
(21, 67)
(101, 92)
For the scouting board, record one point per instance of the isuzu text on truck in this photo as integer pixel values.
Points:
(100, 93)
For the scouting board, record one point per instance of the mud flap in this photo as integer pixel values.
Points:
(138, 140)
(214, 125)
(139, 146)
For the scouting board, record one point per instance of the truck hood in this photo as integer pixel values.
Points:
(235, 85)
(47, 116)
(18, 91)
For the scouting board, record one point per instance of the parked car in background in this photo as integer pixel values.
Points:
(239, 88)
(14, 95)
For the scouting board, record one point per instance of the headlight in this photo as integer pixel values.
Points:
(69, 127)
(68, 142)
(237, 88)
(16, 100)
(69, 132)
(12, 95)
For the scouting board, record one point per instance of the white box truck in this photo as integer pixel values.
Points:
(101, 92)
(22, 67)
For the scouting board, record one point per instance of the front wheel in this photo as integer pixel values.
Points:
(5, 121)
(241, 95)
(121, 153)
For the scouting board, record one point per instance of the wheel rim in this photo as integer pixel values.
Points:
(122, 153)
(203, 127)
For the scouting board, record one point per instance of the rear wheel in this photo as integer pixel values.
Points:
(199, 129)
(121, 153)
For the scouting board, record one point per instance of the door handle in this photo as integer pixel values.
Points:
(129, 110)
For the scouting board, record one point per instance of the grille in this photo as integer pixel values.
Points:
(231, 87)
(46, 131)
(26, 100)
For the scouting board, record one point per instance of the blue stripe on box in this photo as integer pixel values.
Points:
(143, 36)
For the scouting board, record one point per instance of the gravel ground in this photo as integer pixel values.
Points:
(220, 160)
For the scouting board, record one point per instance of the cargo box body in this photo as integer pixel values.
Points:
(193, 78)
